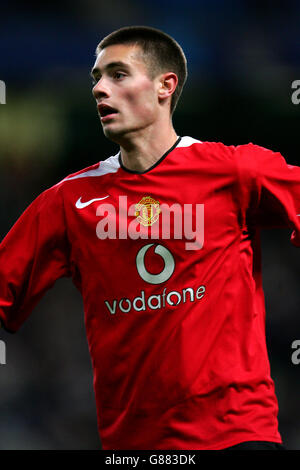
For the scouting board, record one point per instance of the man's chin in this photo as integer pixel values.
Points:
(113, 134)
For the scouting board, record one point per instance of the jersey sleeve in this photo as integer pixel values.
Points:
(269, 189)
(33, 255)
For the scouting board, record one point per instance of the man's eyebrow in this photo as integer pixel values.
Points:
(111, 65)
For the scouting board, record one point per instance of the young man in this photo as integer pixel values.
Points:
(162, 240)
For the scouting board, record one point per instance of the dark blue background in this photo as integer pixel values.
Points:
(243, 57)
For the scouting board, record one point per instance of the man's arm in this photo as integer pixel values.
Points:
(272, 187)
(33, 255)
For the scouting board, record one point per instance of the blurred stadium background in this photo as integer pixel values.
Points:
(243, 57)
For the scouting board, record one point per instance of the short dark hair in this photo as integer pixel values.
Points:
(162, 53)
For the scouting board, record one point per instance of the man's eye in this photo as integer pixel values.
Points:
(119, 75)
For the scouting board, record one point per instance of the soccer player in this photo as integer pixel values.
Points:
(162, 241)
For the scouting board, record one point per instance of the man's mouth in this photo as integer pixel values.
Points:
(106, 112)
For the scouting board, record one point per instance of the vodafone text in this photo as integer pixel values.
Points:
(155, 221)
(155, 302)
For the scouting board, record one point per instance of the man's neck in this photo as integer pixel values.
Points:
(142, 151)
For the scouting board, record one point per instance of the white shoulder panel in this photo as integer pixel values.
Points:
(187, 141)
(110, 165)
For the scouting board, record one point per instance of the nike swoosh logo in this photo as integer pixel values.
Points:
(82, 205)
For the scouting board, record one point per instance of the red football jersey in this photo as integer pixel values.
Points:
(168, 265)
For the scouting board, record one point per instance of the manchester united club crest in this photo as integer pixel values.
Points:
(147, 211)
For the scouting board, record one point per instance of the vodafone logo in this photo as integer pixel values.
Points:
(165, 274)
(146, 300)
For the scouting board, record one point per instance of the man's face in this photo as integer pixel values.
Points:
(122, 83)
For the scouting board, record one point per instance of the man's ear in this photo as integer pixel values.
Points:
(167, 85)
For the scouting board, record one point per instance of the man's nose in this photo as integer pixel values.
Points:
(100, 89)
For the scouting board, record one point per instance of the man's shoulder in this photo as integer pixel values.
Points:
(218, 148)
(80, 178)
(109, 165)
(239, 158)
(207, 150)
(204, 145)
